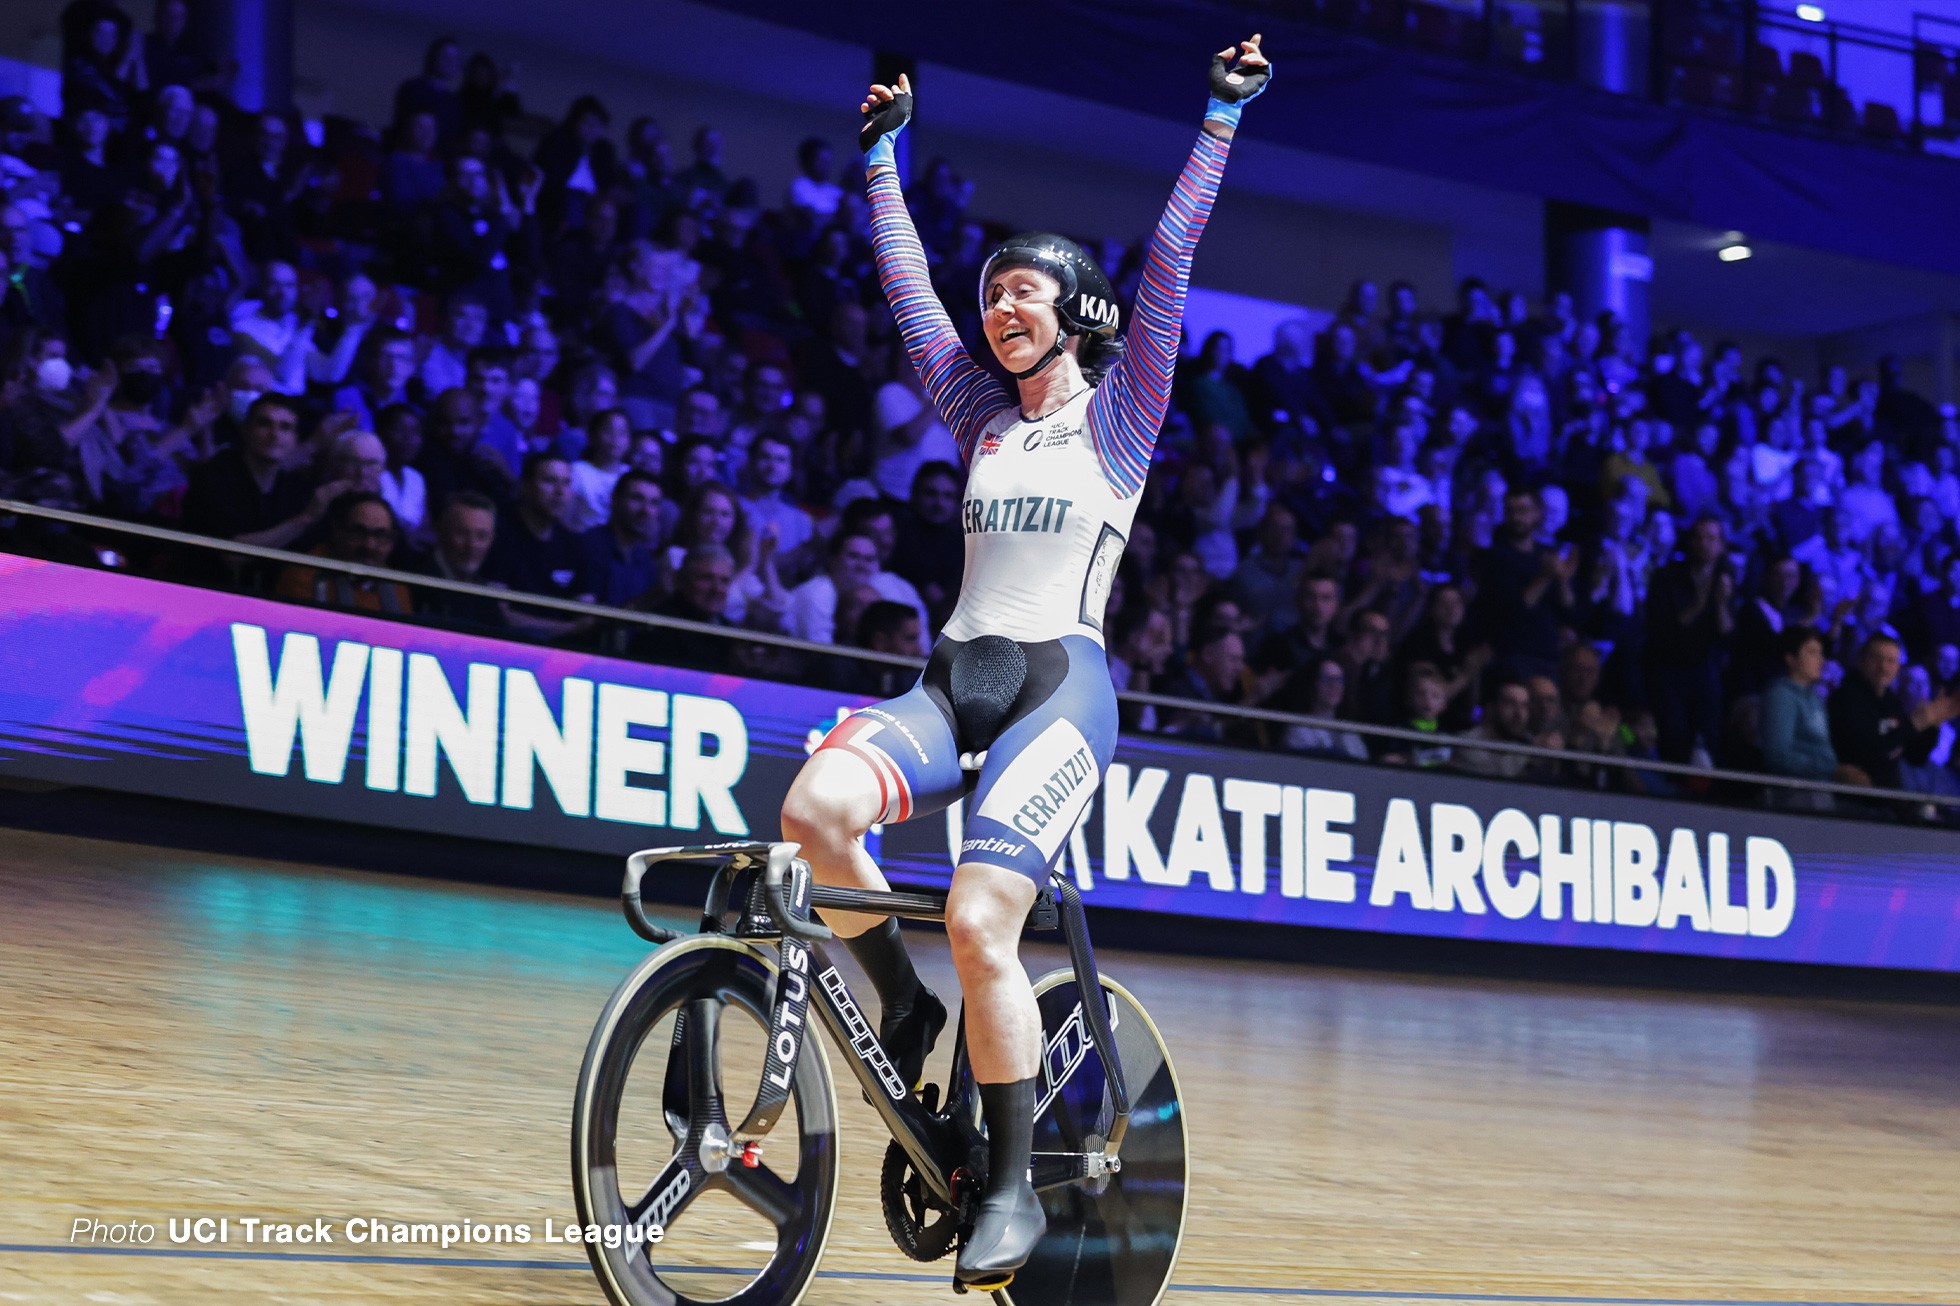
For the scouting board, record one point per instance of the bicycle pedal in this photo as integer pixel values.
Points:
(982, 1285)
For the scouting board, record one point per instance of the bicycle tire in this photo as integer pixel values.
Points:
(1117, 1247)
(738, 976)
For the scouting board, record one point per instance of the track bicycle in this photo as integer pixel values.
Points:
(744, 1210)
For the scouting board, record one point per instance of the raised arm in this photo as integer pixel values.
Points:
(966, 395)
(1128, 409)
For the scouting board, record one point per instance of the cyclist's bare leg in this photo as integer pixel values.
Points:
(984, 915)
(832, 803)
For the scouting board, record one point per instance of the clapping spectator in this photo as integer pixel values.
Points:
(1872, 730)
(1691, 615)
(249, 493)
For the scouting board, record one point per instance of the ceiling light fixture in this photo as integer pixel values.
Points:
(1810, 13)
(1733, 253)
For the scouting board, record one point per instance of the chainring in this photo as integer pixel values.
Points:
(922, 1226)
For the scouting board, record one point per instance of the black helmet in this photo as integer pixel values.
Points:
(1087, 305)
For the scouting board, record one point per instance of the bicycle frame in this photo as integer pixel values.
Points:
(776, 907)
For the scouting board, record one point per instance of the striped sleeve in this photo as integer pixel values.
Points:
(966, 395)
(1128, 409)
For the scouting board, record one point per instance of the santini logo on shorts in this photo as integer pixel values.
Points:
(1043, 791)
(1001, 846)
(1034, 512)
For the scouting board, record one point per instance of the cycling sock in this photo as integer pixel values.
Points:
(1008, 1110)
(881, 951)
(1010, 1221)
(913, 1014)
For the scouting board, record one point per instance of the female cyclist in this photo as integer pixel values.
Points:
(1015, 705)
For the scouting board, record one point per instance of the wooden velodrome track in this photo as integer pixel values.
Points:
(184, 1035)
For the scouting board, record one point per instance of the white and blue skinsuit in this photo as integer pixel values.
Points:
(1047, 511)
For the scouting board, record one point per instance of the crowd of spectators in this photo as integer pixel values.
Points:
(564, 360)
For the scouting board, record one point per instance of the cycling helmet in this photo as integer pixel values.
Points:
(1087, 303)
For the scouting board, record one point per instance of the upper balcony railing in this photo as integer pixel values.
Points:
(1798, 66)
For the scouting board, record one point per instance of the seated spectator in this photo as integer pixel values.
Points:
(1267, 578)
(360, 460)
(1864, 506)
(1312, 637)
(714, 515)
(647, 331)
(578, 262)
(1795, 725)
(598, 469)
(876, 518)
(1400, 489)
(1424, 695)
(337, 341)
(1217, 387)
(451, 460)
(626, 554)
(1932, 618)
(487, 376)
(812, 611)
(1437, 642)
(1370, 677)
(465, 529)
(1215, 673)
(134, 461)
(411, 176)
(382, 372)
(30, 297)
(1140, 648)
(400, 429)
(445, 362)
(1799, 518)
(271, 329)
(911, 435)
(536, 554)
(700, 594)
(247, 492)
(577, 163)
(882, 627)
(1507, 718)
(47, 421)
(1934, 775)
(1326, 679)
(360, 528)
(812, 191)
(1592, 726)
(1282, 392)
(1872, 731)
(772, 471)
(931, 549)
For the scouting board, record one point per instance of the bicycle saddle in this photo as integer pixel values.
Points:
(985, 680)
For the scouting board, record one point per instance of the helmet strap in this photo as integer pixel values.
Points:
(1055, 351)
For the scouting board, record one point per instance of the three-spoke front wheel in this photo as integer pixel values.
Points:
(650, 1138)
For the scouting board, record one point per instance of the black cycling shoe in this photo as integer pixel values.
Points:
(1004, 1235)
(908, 1033)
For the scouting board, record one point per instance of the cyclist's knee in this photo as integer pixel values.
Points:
(830, 804)
(984, 914)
